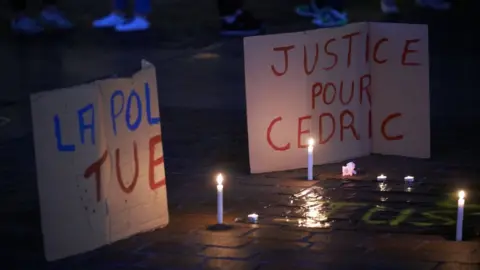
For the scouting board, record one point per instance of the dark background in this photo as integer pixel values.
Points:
(201, 89)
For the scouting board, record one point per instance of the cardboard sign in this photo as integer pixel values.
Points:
(99, 158)
(358, 89)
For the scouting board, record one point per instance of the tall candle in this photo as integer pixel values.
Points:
(311, 142)
(381, 177)
(220, 198)
(461, 205)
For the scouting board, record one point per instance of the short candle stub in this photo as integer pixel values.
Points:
(219, 227)
(381, 177)
(253, 218)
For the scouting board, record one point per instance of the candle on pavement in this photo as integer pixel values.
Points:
(461, 205)
(220, 198)
(311, 142)
(381, 177)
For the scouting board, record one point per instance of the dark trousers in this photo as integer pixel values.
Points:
(21, 5)
(228, 7)
(336, 4)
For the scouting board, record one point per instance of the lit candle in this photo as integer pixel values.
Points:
(220, 198)
(461, 204)
(311, 142)
(409, 178)
(253, 218)
(381, 177)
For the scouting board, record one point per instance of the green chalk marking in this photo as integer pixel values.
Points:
(435, 216)
(401, 217)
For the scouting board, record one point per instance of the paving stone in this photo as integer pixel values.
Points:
(221, 241)
(343, 225)
(237, 231)
(172, 261)
(235, 253)
(397, 243)
(289, 257)
(279, 234)
(109, 257)
(218, 264)
(286, 266)
(159, 236)
(378, 264)
(476, 253)
(352, 246)
(266, 244)
(445, 246)
(195, 229)
(416, 255)
(184, 223)
(416, 237)
(302, 229)
(457, 266)
(170, 248)
(340, 236)
(452, 256)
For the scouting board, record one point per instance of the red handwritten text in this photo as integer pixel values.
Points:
(95, 169)
(330, 126)
(329, 57)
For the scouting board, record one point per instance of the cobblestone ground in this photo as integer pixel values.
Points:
(330, 223)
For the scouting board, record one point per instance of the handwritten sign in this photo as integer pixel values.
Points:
(357, 90)
(99, 158)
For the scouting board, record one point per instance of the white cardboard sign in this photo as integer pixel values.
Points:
(99, 158)
(358, 89)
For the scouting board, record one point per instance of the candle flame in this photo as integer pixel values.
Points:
(311, 142)
(461, 194)
(219, 179)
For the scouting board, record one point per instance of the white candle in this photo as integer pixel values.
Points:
(253, 218)
(220, 198)
(409, 178)
(461, 204)
(381, 177)
(311, 142)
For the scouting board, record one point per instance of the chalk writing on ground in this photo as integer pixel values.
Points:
(379, 215)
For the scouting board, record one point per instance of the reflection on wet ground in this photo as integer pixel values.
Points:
(312, 208)
(393, 205)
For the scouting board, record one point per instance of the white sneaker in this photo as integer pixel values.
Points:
(26, 25)
(111, 20)
(389, 7)
(56, 19)
(434, 4)
(137, 24)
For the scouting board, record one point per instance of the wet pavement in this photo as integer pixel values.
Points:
(330, 223)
